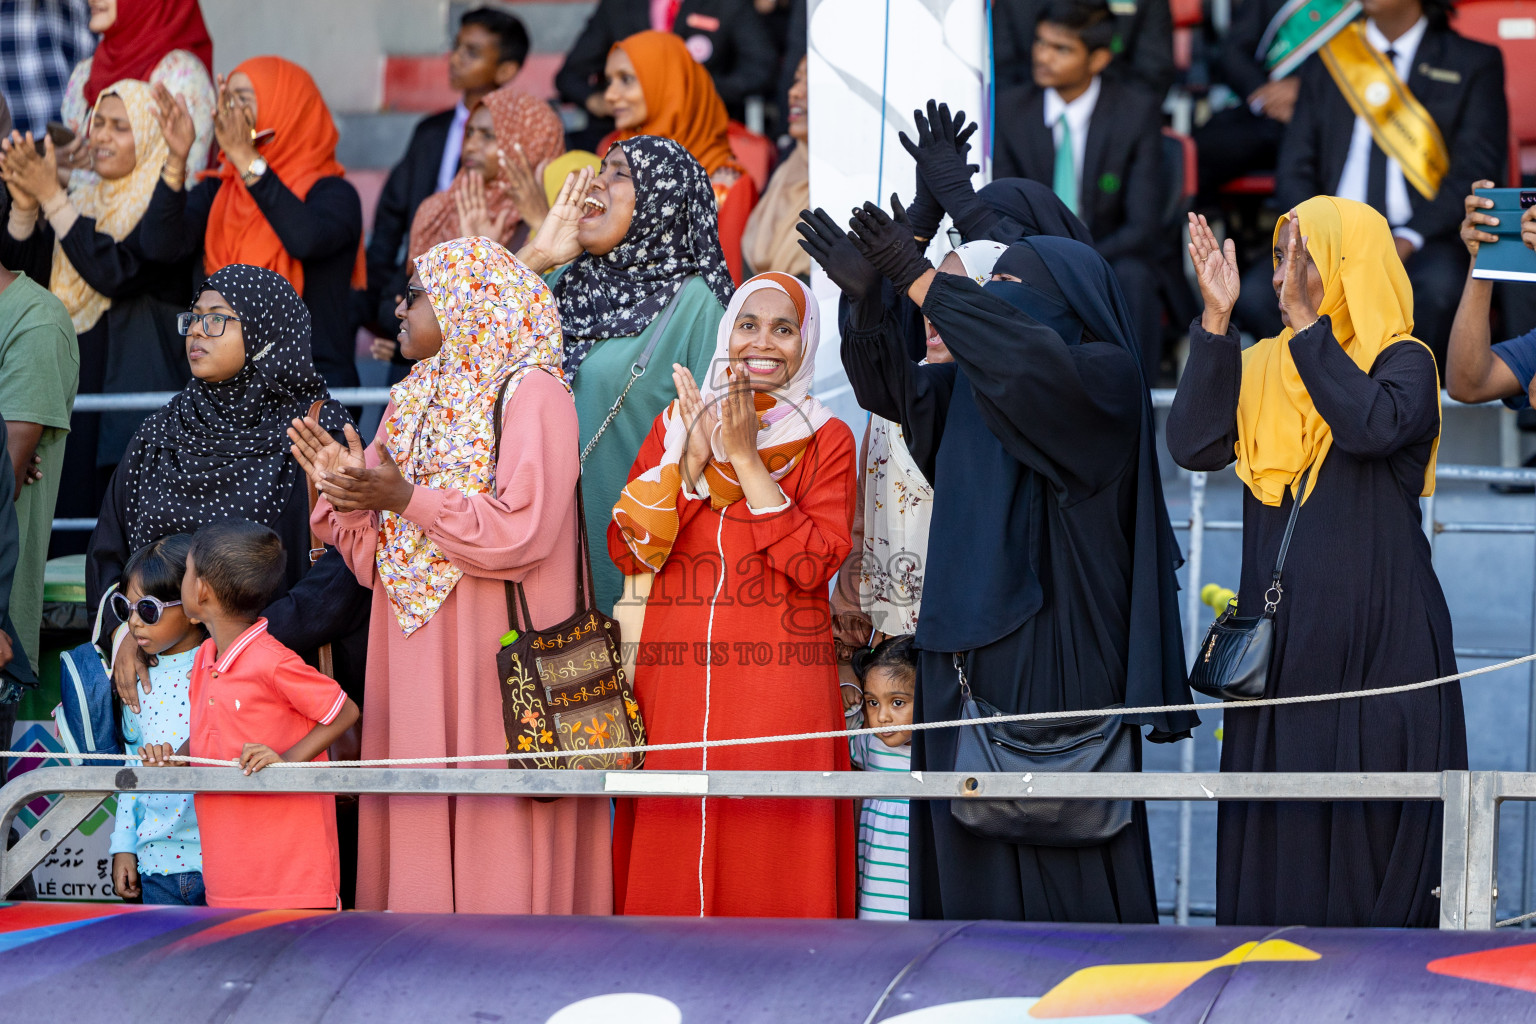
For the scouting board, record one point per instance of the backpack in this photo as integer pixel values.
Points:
(86, 718)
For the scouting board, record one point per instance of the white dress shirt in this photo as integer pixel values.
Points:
(1079, 112)
(454, 148)
(1352, 183)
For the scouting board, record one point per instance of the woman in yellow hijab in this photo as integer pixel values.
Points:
(1348, 400)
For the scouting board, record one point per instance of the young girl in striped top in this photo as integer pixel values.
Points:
(889, 675)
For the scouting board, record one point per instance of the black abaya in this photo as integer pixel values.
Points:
(1362, 609)
(1034, 445)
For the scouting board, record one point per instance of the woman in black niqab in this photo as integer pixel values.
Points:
(1051, 559)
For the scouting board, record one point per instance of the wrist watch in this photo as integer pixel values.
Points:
(254, 172)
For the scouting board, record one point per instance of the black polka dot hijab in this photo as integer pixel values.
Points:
(674, 235)
(220, 451)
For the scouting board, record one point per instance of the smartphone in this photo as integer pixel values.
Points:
(1507, 259)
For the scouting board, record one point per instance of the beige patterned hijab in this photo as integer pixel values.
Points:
(116, 206)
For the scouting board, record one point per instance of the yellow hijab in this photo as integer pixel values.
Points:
(117, 206)
(1367, 296)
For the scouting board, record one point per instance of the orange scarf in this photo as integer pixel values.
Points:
(680, 99)
(301, 151)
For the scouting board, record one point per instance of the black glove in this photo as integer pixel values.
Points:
(942, 152)
(829, 246)
(887, 242)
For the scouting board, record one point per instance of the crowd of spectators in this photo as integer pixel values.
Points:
(599, 324)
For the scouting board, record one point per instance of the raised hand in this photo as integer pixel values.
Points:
(942, 153)
(1474, 204)
(700, 419)
(24, 171)
(739, 424)
(380, 488)
(829, 246)
(1296, 307)
(555, 243)
(318, 453)
(886, 241)
(475, 218)
(525, 184)
(233, 128)
(1216, 268)
(175, 122)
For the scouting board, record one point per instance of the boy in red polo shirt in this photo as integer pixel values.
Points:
(256, 701)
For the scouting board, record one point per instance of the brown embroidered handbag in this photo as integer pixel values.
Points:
(564, 689)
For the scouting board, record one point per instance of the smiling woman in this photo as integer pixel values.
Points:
(747, 482)
(645, 289)
(87, 243)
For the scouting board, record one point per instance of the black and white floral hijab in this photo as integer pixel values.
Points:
(674, 235)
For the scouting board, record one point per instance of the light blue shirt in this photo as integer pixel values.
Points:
(161, 828)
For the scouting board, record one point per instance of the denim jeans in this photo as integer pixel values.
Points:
(182, 890)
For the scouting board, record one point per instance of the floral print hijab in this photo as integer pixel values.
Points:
(673, 236)
(499, 322)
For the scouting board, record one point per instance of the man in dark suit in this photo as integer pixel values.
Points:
(1096, 141)
(727, 36)
(1143, 42)
(1245, 139)
(488, 52)
(1327, 150)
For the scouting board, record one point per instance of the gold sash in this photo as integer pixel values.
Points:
(1399, 123)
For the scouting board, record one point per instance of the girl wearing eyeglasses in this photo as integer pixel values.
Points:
(156, 851)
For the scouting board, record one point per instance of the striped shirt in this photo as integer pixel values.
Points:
(882, 833)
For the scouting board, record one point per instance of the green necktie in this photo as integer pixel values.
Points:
(1064, 179)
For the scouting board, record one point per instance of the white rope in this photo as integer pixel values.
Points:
(797, 737)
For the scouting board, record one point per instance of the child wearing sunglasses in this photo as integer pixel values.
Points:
(156, 852)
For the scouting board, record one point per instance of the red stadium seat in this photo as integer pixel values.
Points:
(756, 153)
(1511, 26)
(1250, 185)
(1187, 17)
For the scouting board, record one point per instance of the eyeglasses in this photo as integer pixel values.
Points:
(411, 291)
(149, 608)
(213, 323)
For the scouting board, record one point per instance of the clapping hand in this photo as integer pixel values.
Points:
(175, 121)
(886, 241)
(354, 488)
(526, 186)
(829, 246)
(942, 153)
(318, 453)
(1216, 267)
(1295, 304)
(739, 423)
(234, 127)
(555, 243)
(700, 420)
(24, 171)
(475, 219)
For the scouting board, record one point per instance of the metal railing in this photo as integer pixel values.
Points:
(1194, 615)
(1468, 888)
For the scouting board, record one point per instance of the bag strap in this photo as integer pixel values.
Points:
(586, 586)
(316, 546)
(637, 368)
(1276, 591)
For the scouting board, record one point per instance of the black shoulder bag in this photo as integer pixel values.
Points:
(1233, 660)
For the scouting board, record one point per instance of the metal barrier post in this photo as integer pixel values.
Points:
(1456, 795)
(1195, 566)
(1482, 850)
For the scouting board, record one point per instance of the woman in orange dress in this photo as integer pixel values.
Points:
(655, 87)
(740, 503)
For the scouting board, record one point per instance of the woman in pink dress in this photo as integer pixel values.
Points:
(433, 523)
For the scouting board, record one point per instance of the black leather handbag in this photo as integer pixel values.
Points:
(1096, 743)
(1233, 660)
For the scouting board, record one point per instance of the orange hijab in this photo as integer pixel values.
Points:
(680, 99)
(301, 151)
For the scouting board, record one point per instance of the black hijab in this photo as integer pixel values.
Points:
(674, 235)
(1025, 209)
(1068, 287)
(220, 451)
